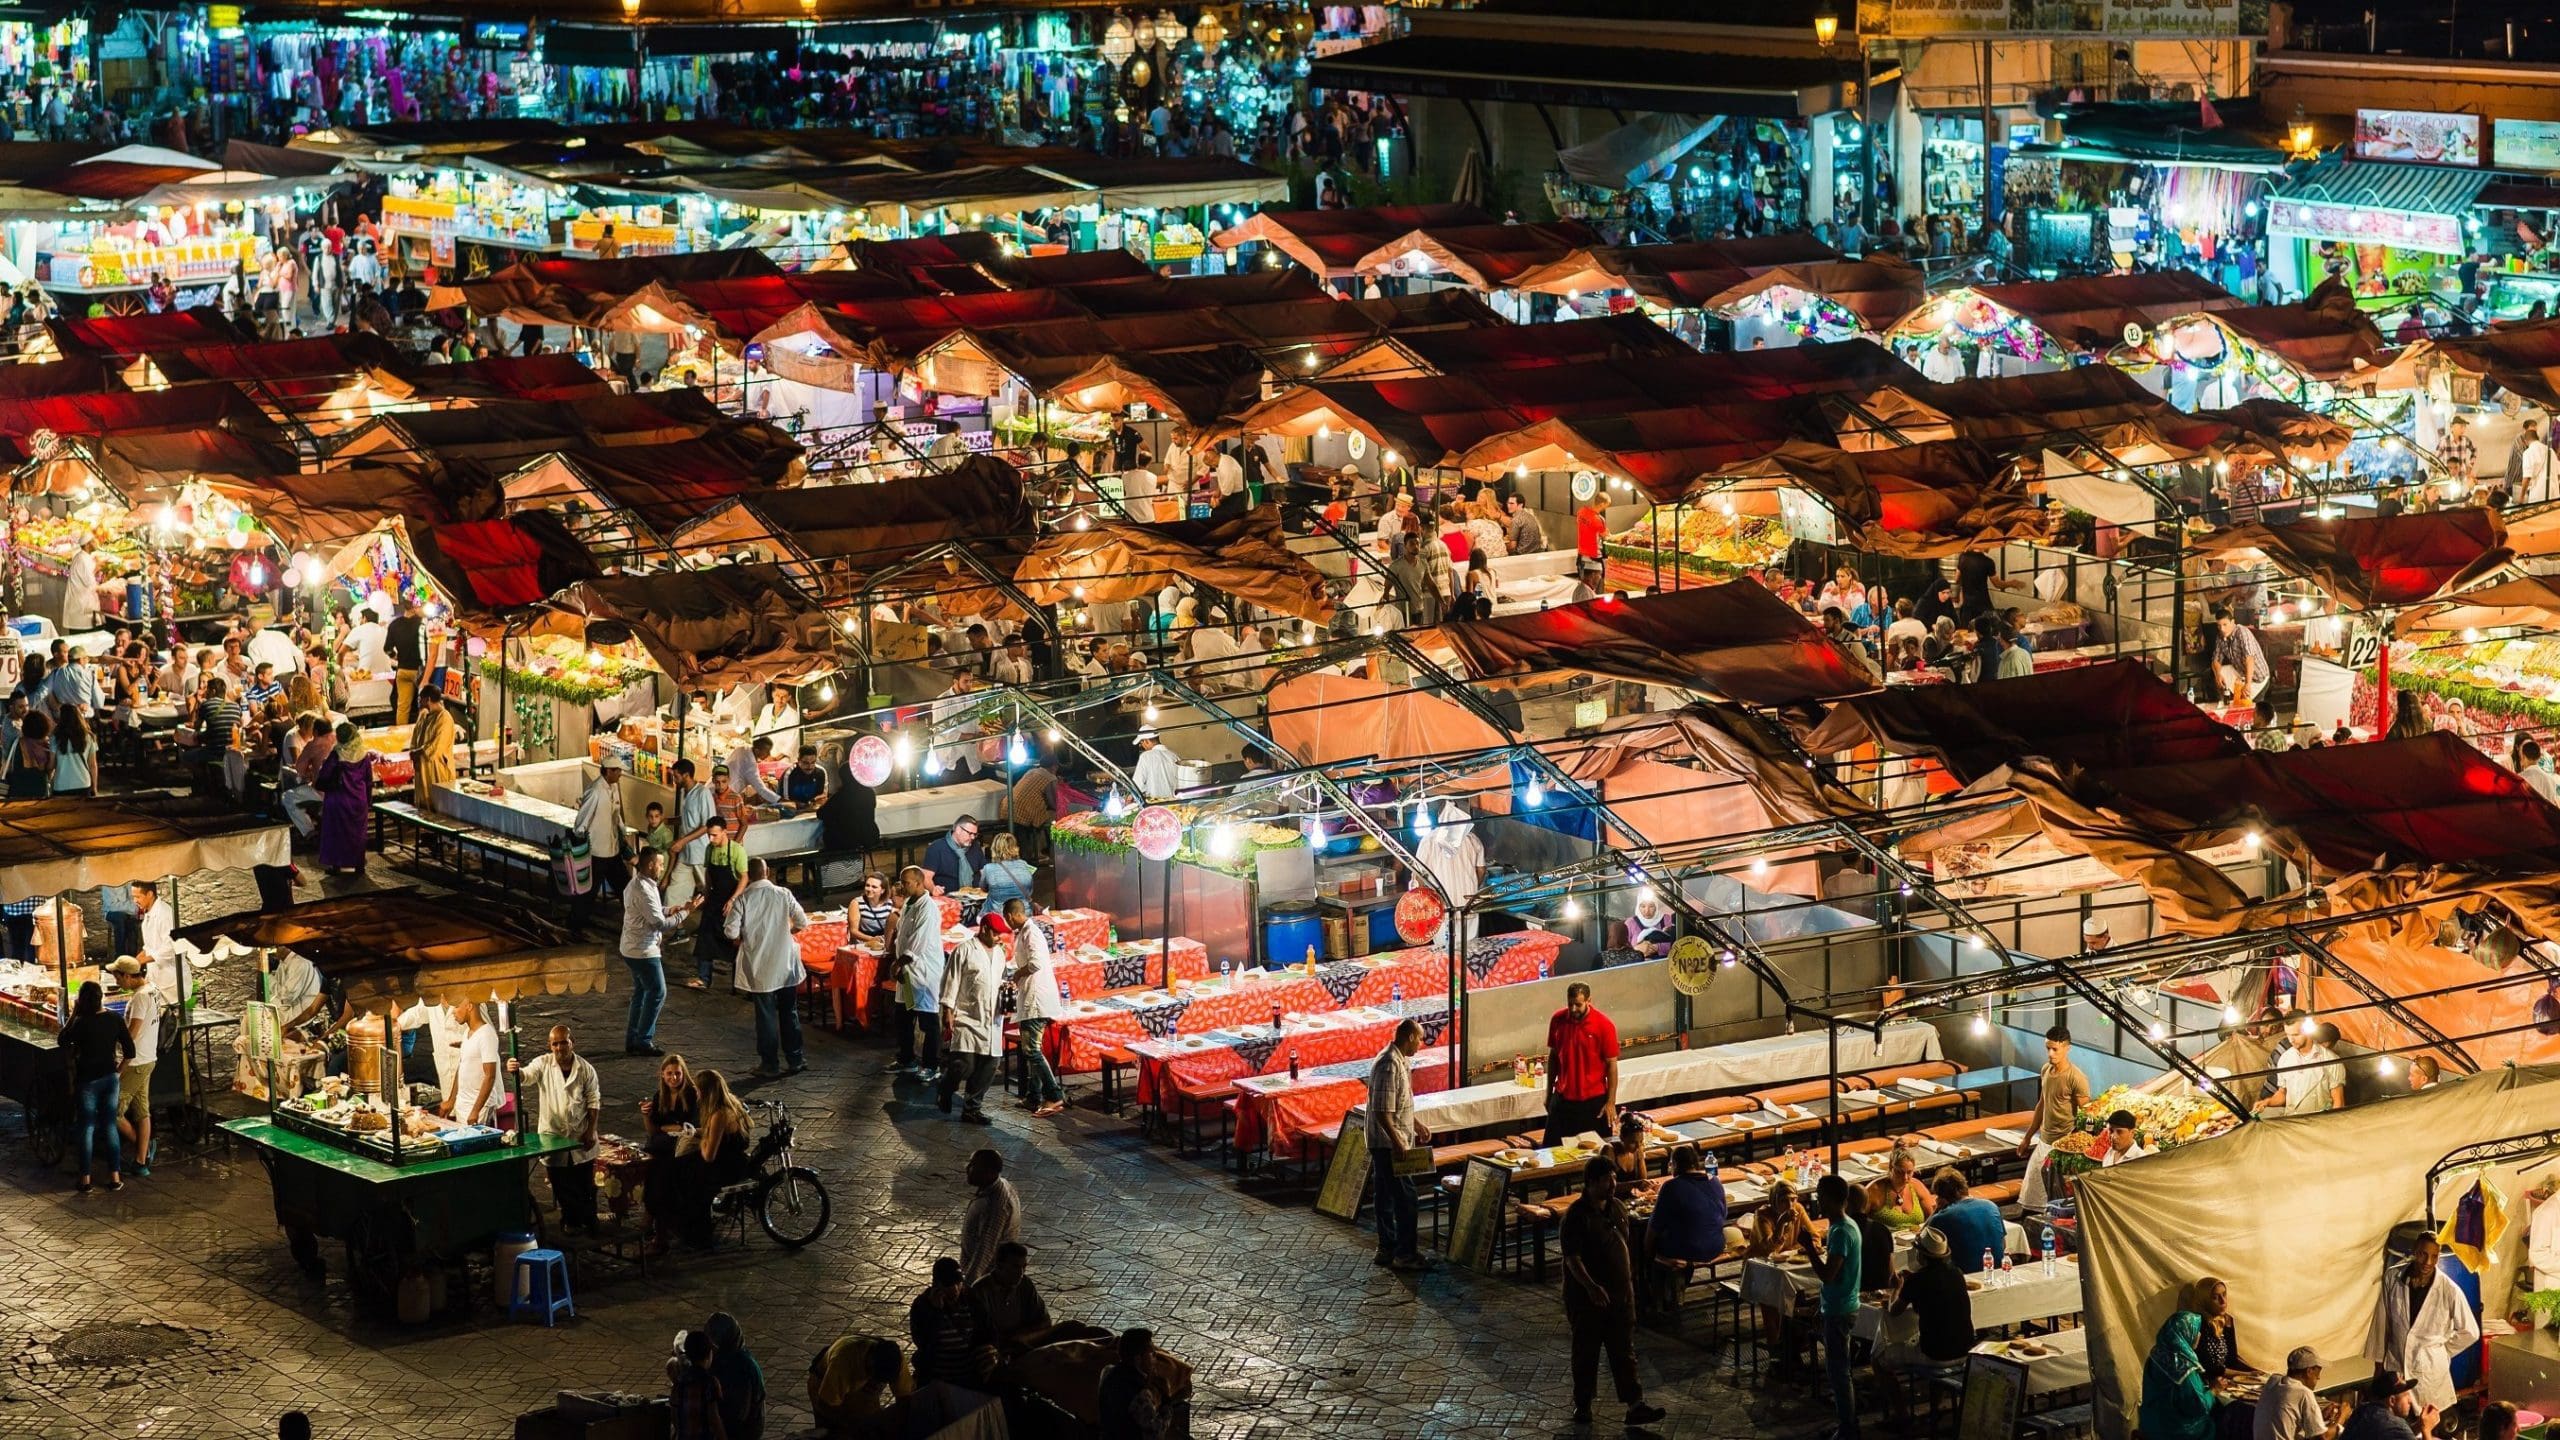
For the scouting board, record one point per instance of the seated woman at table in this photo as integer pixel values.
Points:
(1649, 929)
(665, 1116)
(2176, 1403)
(1779, 1229)
(874, 913)
(718, 1157)
(2217, 1340)
(1933, 1294)
(1006, 874)
(1897, 1197)
(1627, 1150)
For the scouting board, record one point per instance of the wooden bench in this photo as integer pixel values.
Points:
(1188, 1105)
(1115, 1060)
(1708, 1109)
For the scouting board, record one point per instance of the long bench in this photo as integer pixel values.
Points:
(465, 850)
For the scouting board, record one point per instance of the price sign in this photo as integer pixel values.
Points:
(870, 760)
(1157, 832)
(1693, 965)
(262, 1025)
(1357, 443)
(1420, 912)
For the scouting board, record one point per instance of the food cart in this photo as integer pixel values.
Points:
(51, 848)
(350, 1156)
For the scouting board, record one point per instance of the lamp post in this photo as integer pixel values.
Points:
(631, 17)
(2300, 137)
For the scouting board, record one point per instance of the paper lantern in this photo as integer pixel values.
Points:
(1210, 33)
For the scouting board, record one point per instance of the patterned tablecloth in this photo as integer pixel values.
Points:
(831, 930)
(1092, 1026)
(1273, 1111)
(854, 972)
(1317, 1040)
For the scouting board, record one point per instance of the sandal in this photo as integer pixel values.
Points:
(695, 985)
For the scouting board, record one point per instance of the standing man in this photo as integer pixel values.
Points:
(1843, 1259)
(765, 921)
(405, 641)
(80, 591)
(1600, 1295)
(1590, 534)
(2420, 1322)
(2460, 454)
(1582, 1069)
(1392, 1130)
(1037, 1006)
(2309, 1080)
(601, 822)
(972, 1027)
(430, 748)
(1033, 805)
(2061, 1091)
(696, 806)
(1159, 772)
(916, 949)
(2529, 467)
(569, 1098)
(955, 859)
(993, 1219)
(646, 924)
(142, 1010)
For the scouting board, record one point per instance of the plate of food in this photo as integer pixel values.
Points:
(2029, 1349)
(1193, 1042)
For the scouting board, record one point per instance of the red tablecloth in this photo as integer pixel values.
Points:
(1274, 1111)
(855, 972)
(1077, 1041)
(1317, 1041)
(1075, 929)
(1137, 964)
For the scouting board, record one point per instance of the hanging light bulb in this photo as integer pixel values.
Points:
(902, 750)
(1728, 959)
(1222, 842)
(2310, 1025)
(2230, 1014)
(1977, 942)
(1019, 753)
(1052, 734)
(1422, 821)
(2158, 1032)
(2250, 839)
(1572, 908)
(1759, 865)
(1982, 1023)
(1083, 521)
(1115, 806)
(1535, 795)
(2386, 1067)
(1151, 712)
(827, 692)
(932, 763)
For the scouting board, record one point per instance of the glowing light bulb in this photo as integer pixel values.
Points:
(2159, 1031)
(1151, 712)
(1535, 795)
(1759, 866)
(932, 763)
(2386, 1067)
(1115, 806)
(1422, 821)
(1222, 842)
(1051, 734)
(1572, 908)
(827, 692)
(1977, 942)
(902, 749)
(1084, 522)
(1019, 753)
(1728, 959)
(2309, 1025)
(1982, 1023)
(2230, 1014)
(2250, 839)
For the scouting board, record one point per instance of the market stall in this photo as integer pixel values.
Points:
(2388, 231)
(2043, 325)
(352, 1156)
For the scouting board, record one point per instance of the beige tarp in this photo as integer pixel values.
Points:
(2154, 1226)
(1244, 556)
(392, 948)
(50, 846)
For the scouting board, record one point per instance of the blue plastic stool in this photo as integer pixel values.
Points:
(542, 1287)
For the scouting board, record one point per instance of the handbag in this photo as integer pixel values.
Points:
(573, 869)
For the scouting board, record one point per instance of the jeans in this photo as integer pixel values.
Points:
(920, 1037)
(124, 933)
(96, 1122)
(1835, 1362)
(778, 1027)
(1397, 1219)
(648, 997)
(1039, 1079)
(979, 1071)
(1593, 1330)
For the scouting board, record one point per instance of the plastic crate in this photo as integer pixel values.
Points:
(468, 1139)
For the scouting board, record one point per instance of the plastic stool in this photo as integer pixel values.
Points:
(542, 1287)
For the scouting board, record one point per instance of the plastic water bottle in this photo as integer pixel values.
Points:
(2008, 1263)
(1395, 996)
(1066, 992)
(1989, 1266)
(2048, 1252)
(1712, 1167)
(1226, 972)
(1542, 967)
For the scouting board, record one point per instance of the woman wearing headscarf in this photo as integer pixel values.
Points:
(1649, 929)
(345, 783)
(2175, 1403)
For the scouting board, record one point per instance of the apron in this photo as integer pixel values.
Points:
(713, 941)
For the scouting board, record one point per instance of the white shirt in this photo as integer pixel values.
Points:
(766, 919)
(2308, 1074)
(444, 1033)
(1035, 981)
(2533, 472)
(80, 594)
(918, 947)
(783, 727)
(2544, 783)
(1138, 483)
(970, 986)
(1159, 773)
(1907, 627)
(142, 1016)
(745, 780)
(736, 708)
(159, 934)
(1230, 476)
(567, 1102)
(295, 984)
(366, 641)
(2134, 1151)
(1390, 1107)
(644, 920)
(600, 819)
(475, 1092)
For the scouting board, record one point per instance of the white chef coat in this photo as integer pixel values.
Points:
(80, 594)
(2443, 1328)
(293, 985)
(367, 641)
(159, 932)
(477, 1104)
(600, 819)
(783, 726)
(1159, 773)
(1035, 980)
(970, 986)
(567, 1102)
(444, 1036)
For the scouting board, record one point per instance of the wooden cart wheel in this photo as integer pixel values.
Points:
(376, 1248)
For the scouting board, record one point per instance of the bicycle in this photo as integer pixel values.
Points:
(788, 1200)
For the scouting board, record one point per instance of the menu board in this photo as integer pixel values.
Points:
(1478, 1216)
(1347, 1175)
(2172, 17)
(2525, 144)
(2423, 137)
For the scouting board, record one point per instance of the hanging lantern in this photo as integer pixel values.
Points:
(1117, 46)
(1209, 34)
(1302, 26)
(1140, 72)
(1169, 31)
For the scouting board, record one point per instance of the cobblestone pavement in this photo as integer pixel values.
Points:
(172, 1308)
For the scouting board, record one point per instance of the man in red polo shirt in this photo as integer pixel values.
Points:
(1590, 528)
(1582, 1068)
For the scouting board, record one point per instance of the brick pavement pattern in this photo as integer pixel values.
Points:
(173, 1310)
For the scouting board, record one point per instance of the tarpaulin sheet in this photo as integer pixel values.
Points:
(2347, 1177)
(2091, 312)
(1484, 256)
(1163, 294)
(2280, 431)
(1325, 719)
(306, 508)
(489, 567)
(2377, 562)
(2327, 336)
(1524, 347)
(130, 464)
(317, 355)
(1735, 639)
(1670, 805)
(2107, 716)
(2531, 603)
(1878, 291)
(121, 337)
(979, 503)
(1632, 153)
(50, 846)
(659, 487)
(1920, 501)
(2099, 402)
(511, 377)
(1246, 557)
(1331, 242)
(1719, 740)
(394, 948)
(193, 407)
(71, 375)
(1666, 453)
(2523, 357)
(1676, 276)
(727, 625)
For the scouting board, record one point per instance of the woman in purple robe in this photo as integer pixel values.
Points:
(345, 783)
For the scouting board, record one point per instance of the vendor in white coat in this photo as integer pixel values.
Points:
(1159, 772)
(446, 1027)
(80, 592)
(1454, 859)
(2421, 1322)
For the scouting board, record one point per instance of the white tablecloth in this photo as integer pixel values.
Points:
(2066, 1367)
(2027, 1294)
(923, 812)
(1771, 1061)
(1781, 1282)
(513, 814)
(783, 837)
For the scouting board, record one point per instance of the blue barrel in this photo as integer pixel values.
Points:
(1288, 928)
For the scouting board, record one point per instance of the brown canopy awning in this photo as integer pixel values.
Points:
(1245, 556)
(2107, 716)
(727, 625)
(2378, 562)
(390, 948)
(1735, 639)
(1918, 502)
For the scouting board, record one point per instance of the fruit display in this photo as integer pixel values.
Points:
(1703, 539)
(1227, 846)
(2512, 678)
(57, 536)
(566, 670)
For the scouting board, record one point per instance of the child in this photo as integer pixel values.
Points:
(660, 836)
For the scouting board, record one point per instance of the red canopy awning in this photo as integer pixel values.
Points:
(490, 567)
(2110, 715)
(1735, 639)
(1332, 242)
(2378, 563)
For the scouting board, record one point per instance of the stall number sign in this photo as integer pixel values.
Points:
(1157, 832)
(2364, 646)
(1420, 912)
(1693, 965)
(263, 1025)
(870, 761)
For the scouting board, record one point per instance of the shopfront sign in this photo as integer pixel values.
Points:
(2525, 144)
(2360, 225)
(2172, 17)
(2165, 19)
(1936, 17)
(1156, 833)
(2424, 137)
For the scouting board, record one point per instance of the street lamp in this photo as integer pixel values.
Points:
(2299, 133)
(1826, 27)
(630, 9)
(809, 8)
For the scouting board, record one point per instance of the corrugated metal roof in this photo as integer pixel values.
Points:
(2382, 185)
